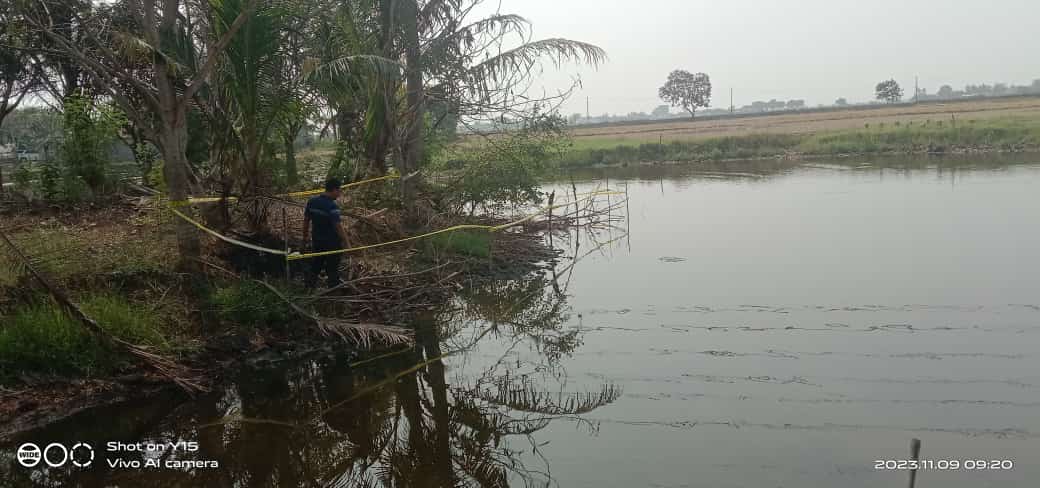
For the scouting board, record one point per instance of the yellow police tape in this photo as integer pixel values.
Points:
(224, 238)
(296, 256)
(307, 193)
(489, 228)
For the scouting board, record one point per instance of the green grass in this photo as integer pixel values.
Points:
(1010, 134)
(251, 304)
(467, 243)
(42, 339)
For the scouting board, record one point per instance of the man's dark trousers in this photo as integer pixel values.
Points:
(328, 263)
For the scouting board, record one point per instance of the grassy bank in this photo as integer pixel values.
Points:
(936, 137)
(41, 339)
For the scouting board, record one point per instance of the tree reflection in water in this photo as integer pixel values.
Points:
(395, 422)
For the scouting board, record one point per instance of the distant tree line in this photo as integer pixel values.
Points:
(693, 91)
(947, 92)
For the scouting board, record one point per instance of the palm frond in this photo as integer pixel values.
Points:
(345, 69)
(494, 26)
(523, 58)
(364, 334)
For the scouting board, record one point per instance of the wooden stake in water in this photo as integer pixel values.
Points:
(915, 452)
(552, 196)
(628, 220)
(285, 230)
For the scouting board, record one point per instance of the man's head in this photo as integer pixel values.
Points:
(333, 187)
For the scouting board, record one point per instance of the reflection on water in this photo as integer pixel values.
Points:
(762, 324)
(322, 422)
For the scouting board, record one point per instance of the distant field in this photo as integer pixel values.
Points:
(804, 123)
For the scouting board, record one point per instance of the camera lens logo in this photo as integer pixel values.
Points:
(51, 458)
(29, 455)
(80, 461)
(56, 455)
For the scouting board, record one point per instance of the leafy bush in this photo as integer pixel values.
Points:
(50, 181)
(90, 131)
(23, 177)
(155, 177)
(506, 168)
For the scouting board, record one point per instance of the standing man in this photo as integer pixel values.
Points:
(322, 220)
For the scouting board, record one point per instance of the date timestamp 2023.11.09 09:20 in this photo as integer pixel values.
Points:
(944, 464)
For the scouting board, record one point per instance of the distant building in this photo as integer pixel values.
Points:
(7, 151)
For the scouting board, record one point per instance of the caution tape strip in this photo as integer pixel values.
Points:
(298, 256)
(392, 176)
(489, 228)
(307, 193)
(224, 238)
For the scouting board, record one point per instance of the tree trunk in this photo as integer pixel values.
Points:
(292, 176)
(174, 139)
(344, 134)
(413, 142)
(427, 337)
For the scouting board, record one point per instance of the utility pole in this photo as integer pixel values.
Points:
(731, 101)
(917, 91)
(587, 115)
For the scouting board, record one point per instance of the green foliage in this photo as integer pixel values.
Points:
(506, 168)
(131, 322)
(465, 242)
(687, 90)
(23, 177)
(155, 178)
(889, 91)
(199, 135)
(250, 303)
(42, 339)
(90, 130)
(50, 179)
(146, 155)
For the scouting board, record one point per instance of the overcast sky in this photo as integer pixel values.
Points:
(817, 50)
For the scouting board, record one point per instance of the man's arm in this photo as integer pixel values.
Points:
(342, 234)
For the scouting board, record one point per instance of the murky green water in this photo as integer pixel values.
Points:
(781, 327)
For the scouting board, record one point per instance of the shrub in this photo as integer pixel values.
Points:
(90, 131)
(507, 169)
(23, 177)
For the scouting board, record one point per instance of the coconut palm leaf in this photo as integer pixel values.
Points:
(523, 58)
(364, 334)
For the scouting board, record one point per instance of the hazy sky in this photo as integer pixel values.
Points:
(817, 50)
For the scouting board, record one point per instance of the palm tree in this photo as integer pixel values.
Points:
(458, 67)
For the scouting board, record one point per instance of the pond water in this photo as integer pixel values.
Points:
(782, 326)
